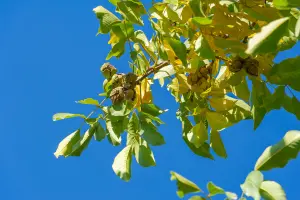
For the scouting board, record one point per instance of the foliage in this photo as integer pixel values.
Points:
(254, 186)
(216, 58)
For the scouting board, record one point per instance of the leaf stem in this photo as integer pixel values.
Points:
(151, 70)
(222, 58)
(93, 111)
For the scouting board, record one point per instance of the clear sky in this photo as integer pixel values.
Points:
(49, 58)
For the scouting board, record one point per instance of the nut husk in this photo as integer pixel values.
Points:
(117, 95)
(108, 70)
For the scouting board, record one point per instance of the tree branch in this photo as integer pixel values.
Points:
(152, 70)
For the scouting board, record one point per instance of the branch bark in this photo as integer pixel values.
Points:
(151, 70)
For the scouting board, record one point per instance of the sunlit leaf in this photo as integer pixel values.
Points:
(61, 116)
(89, 101)
(100, 133)
(260, 93)
(197, 198)
(213, 189)
(184, 186)
(271, 190)
(252, 184)
(286, 72)
(198, 135)
(286, 4)
(297, 28)
(217, 144)
(66, 145)
(83, 143)
(203, 49)
(143, 154)
(200, 21)
(266, 41)
(152, 109)
(122, 164)
(132, 10)
(107, 19)
(179, 48)
(150, 134)
(278, 155)
(217, 121)
(165, 72)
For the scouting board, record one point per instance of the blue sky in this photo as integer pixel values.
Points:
(50, 58)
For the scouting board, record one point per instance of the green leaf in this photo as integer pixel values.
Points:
(203, 150)
(197, 198)
(278, 155)
(217, 144)
(89, 101)
(241, 90)
(252, 184)
(115, 128)
(133, 125)
(100, 133)
(122, 164)
(184, 186)
(61, 116)
(286, 73)
(119, 110)
(156, 119)
(267, 40)
(83, 143)
(260, 94)
(201, 21)
(297, 28)
(271, 190)
(231, 196)
(203, 49)
(174, 2)
(196, 6)
(117, 50)
(276, 100)
(107, 19)
(164, 72)
(179, 48)
(214, 190)
(217, 121)
(143, 154)
(152, 109)
(198, 135)
(150, 134)
(65, 146)
(132, 10)
(286, 4)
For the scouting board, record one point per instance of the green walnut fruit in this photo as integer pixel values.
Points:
(108, 70)
(251, 65)
(194, 78)
(236, 65)
(130, 78)
(117, 95)
(204, 71)
(117, 80)
(129, 94)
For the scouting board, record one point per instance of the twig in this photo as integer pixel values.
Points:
(224, 59)
(152, 70)
(95, 109)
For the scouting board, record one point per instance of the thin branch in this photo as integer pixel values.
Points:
(95, 109)
(151, 70)
(222, 58)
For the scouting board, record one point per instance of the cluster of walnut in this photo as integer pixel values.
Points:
(122, 85)
(249, 64)
(200, 81)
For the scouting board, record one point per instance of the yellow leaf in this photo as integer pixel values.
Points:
(143, 93)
